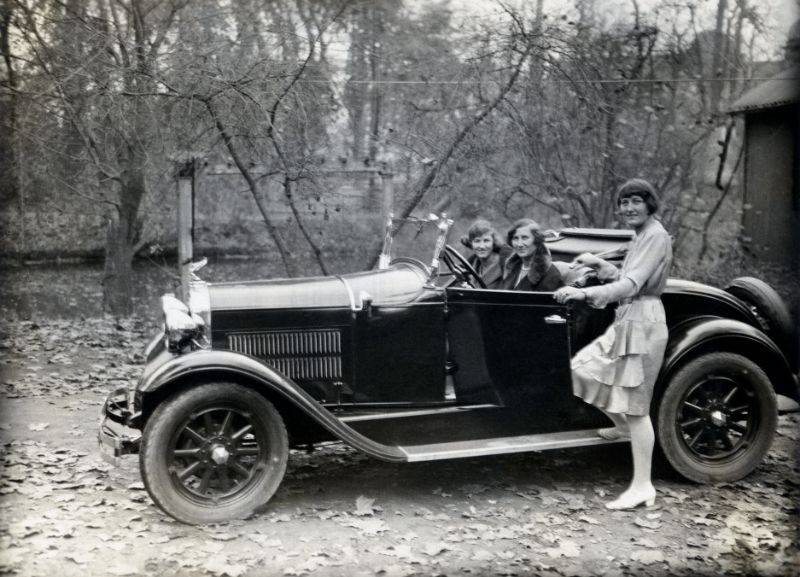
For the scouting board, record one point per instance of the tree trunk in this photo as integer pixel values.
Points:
(118, 270)
(716, 62)
(376, 100)
(9, 185)
(122, 238)
(736, 50)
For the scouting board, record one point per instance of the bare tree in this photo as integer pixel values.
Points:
(8, 117)
(116, 124)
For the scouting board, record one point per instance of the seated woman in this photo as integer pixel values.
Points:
(530, 267)
(486, 258)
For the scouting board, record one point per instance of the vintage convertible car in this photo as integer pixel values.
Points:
(415, 362)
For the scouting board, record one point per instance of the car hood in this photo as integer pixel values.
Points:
(399, 284)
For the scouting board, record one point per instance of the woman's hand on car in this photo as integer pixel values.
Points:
(568, 293)
(587, 259)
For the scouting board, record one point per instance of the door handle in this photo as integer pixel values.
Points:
(555, 320)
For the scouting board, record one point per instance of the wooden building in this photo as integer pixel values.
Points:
(771, 219)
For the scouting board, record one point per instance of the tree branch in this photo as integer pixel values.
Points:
(433, 172)
(718, 205)
(252, 185)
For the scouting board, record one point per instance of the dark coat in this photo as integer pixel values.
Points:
(492, 272)
(550, 280)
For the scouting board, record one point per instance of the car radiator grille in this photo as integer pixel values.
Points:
(300, 355)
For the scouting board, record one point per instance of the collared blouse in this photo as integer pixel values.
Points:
(644, 270)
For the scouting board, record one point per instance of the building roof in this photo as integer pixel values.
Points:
(780, 90)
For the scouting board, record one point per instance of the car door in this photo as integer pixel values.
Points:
(512, 349)
(399, 352)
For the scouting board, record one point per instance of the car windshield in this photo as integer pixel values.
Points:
(418, 238)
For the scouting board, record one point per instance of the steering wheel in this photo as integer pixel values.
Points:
(460, 267)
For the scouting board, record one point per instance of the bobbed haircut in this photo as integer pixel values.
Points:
(639, 187)
(525, 223)
(479, 228)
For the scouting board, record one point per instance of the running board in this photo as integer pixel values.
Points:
(505, 445)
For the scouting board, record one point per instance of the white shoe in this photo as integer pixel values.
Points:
(629, 500)
(613, 433)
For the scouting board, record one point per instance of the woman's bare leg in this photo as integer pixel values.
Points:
(641, 489)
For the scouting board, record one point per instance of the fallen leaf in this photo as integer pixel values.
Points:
(564, 549)
(740, 523)
(644, 542)
(123, 569)
(703, 521)
(224, 536)
(433, 549)
(655, 525)
(364, 506)
(221, 566)
(648, 556)
(264, 540)
(368, 527)
(482, 555)
(399, 551)
(79, 558)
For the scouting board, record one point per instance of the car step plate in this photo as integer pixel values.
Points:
(505, 445)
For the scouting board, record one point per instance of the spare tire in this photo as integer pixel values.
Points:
(769, 308)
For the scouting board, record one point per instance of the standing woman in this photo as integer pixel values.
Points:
(486, 258)
(530, 267)
(617, 371)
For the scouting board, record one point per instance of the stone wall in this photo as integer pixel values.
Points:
(341, 209)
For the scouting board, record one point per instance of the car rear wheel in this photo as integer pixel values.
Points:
(716, 418)
(213, 453)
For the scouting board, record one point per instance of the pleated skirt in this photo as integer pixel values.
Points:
(617, 371)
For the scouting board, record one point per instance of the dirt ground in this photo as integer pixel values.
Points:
(64, 511)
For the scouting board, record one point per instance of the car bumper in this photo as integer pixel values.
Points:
(116, 435)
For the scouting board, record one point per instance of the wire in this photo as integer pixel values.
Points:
(552, 80)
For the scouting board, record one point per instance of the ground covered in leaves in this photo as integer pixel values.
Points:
(64, 511)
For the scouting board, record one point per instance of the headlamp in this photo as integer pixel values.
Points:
(182, 328)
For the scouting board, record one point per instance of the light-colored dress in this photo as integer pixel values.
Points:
(617, 371)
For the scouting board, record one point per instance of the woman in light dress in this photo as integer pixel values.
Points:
(617, 371)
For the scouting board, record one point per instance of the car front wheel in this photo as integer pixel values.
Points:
(716, 418)
(213, 453)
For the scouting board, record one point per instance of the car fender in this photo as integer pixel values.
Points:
(699, 335)
(266, 379)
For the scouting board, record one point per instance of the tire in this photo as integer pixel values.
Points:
(229, 443)
(772, 313)
(716, 419)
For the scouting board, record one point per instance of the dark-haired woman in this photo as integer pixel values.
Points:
(530, 267)
(482, 239)
(617, 371)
